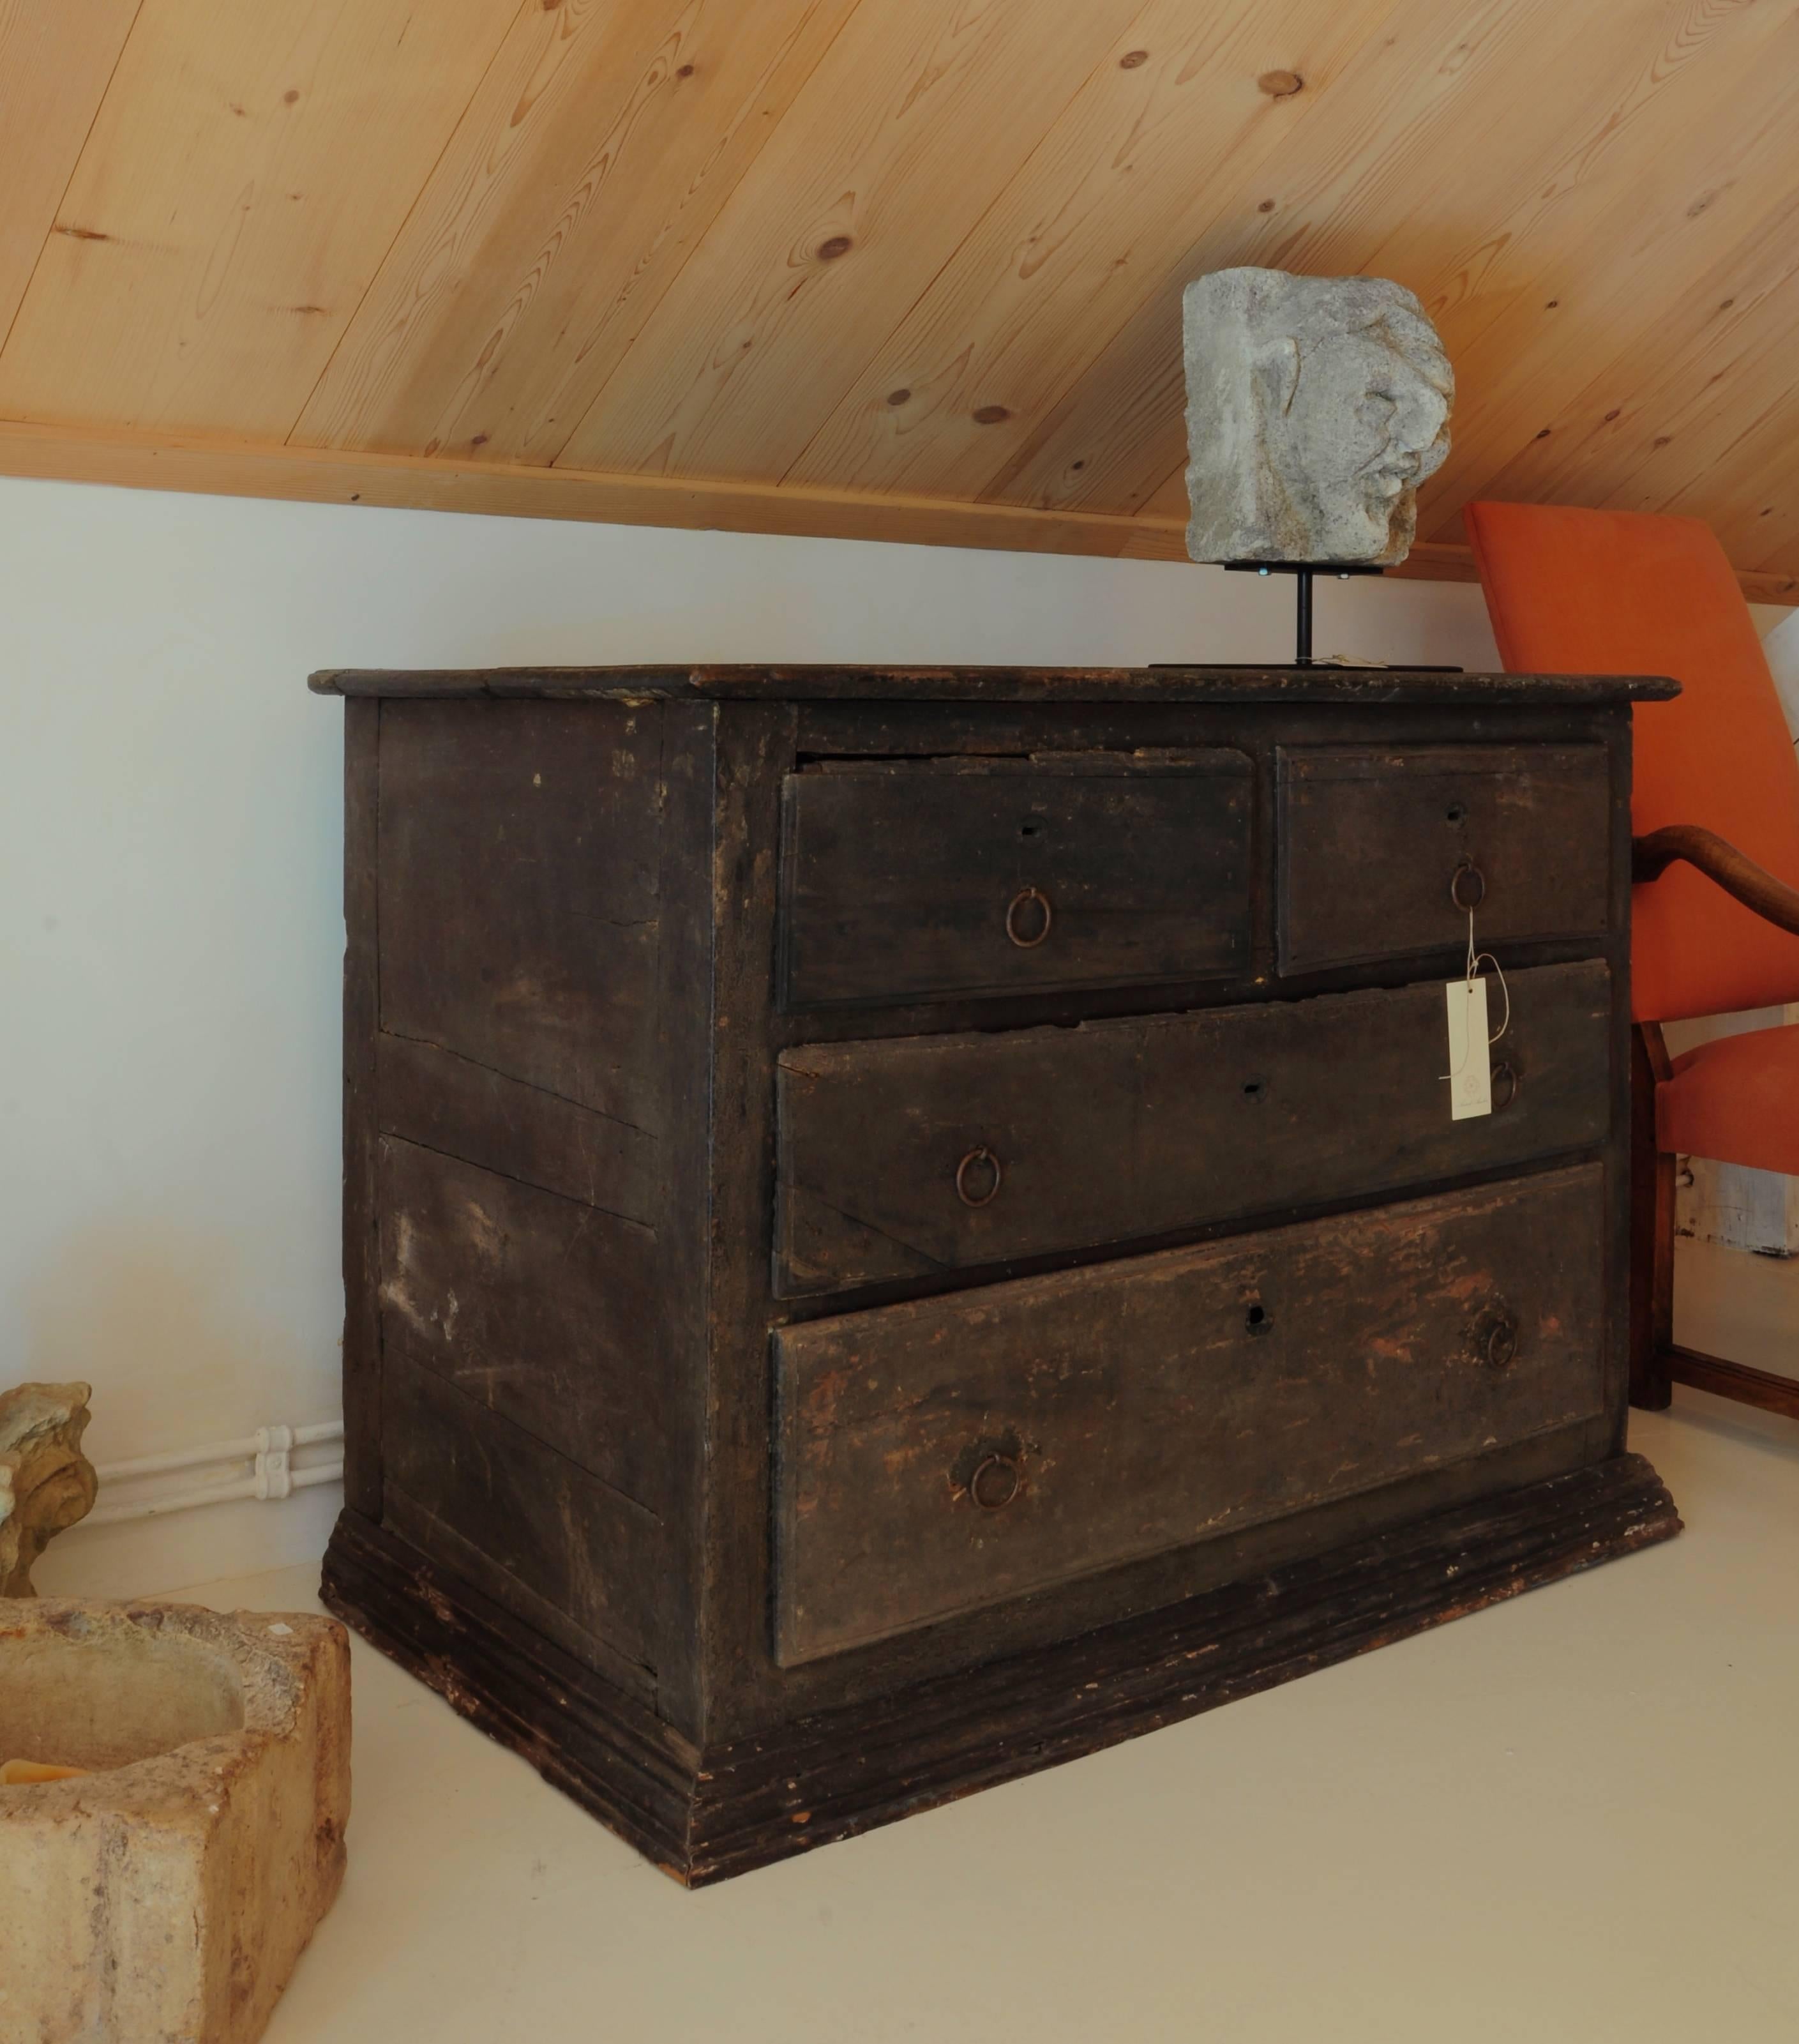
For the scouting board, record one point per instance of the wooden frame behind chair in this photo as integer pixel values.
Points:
(1657, 1361)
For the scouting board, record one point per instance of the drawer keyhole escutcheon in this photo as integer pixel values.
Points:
(1467, 886)
(978, 1177)
(1505, 1076)
(994, 1482)
(1019, 918)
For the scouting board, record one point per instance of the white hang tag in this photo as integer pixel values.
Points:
(1470, 1074)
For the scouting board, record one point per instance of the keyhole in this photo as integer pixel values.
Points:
(1456, 813)
(1032, 828)
(1256, 1320)
(1252, 1089)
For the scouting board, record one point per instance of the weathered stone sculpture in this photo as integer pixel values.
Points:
(166, 1885)
(1315, 406)
(46, 1483)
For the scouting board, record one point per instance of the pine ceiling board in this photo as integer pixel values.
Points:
(1170, 501)
(54, 65)
(1663, 175)
(1434, 73)
(1745, 491)
(1761, 527)
(251, 161)
(601, 144)
(1166, 131)
(919, 114)
(1668, 407)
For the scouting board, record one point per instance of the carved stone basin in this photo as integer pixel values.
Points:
(167, 1892)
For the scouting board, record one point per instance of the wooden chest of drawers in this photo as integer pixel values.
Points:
(903, 1225)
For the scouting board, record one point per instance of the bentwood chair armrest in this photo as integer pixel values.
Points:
(1720, 861)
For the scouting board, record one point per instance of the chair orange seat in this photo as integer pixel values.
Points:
(1571, 590)
(1735, 1099)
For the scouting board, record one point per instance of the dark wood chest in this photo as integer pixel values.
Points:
(903, 1225)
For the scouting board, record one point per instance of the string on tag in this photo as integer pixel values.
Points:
(1474, 961)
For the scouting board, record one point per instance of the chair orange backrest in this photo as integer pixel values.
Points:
(1626, 592)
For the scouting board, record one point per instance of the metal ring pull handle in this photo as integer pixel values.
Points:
(1023, 899)
(1466, 870)
(1496, 1338)
(1509, 1074)
(979, 1154)
(994, 1482)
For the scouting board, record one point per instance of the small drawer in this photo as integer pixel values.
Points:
(918, 879)
(941, 1456)
(1382, 852)
(929, 1154)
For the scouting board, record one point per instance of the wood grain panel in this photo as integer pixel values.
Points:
(1662, 173)
(903, 881)
(897, 269)
(1160, 1123)
(600, 147)
(891, 156)
(488, 1501)
(1375, 843)
(1663, 410)
(541, 1309)
(1163, 134)
(54, 65)
(249, 168)
(1166, 1400)
(471, 834)
(1441, 82)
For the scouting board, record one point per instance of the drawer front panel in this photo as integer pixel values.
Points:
(1370, 841)
(908, 881)
(946, 1454)
(903, 1158)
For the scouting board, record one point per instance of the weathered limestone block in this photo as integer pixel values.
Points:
(164, 1897)
(1315, 406)
(46, 1483)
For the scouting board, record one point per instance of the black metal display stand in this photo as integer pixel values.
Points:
(1302, 571)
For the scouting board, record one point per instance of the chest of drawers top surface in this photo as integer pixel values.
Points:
(823, 681)
(856, 1174)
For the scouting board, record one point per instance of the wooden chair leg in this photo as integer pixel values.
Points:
(1651, 1229)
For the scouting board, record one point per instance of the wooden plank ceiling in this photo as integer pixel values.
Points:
(905, 269)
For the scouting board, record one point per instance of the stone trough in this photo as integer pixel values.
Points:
(167, 1892)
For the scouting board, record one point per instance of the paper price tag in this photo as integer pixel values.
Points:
(1471, 1075)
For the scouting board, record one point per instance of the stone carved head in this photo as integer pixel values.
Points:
(1315, 406)
(47, 1484)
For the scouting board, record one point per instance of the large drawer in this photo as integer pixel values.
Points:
(901, 1158)
(1379, 848)
(943, 1455)
(909, 880)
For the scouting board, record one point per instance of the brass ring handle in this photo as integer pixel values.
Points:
(994, 1482)
(1466, 869)
(1509, 1073)
(1022, 899)
(979, 1154)
(1497, 1340)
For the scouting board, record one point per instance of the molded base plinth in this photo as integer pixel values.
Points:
(704, 1817)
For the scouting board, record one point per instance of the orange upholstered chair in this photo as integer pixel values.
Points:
(1715, 818)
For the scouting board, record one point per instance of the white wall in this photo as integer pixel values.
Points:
(170, 926)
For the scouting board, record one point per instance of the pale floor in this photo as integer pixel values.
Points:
(1575, 1816)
